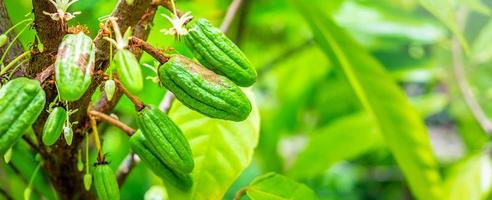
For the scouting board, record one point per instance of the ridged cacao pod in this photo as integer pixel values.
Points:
(54, 125)
(74, 66)
(215, 51)
(204, 91)
(143, 148)
(105, 183)
(166, 139)
(21, 102)
(129, 72)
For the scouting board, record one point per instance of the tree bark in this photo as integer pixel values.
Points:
(60, 160)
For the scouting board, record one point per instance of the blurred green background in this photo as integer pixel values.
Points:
(313, 127)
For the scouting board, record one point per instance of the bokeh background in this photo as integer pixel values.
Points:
(312, 123)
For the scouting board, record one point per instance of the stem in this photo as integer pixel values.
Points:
(137, 102)
(240, 194)
(111, 120)
(86, 153)
(34, 174)
(14, 26)
(154, 52)
(12, 42)
(174, 8)
(231, 13)
(93, 123)
(14, 61)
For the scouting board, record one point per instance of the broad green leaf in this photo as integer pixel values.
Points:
(343, 139)
(444, 10)
(478, 6)
(470, 179)
(403, 129)
(274, 186)
(221, 150)
(482, 46)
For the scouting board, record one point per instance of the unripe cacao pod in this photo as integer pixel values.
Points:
(129, 72)
(74, 66)
(54, 125)
(215, 51)
(143, 148)
(21, 102)
(105, 183)
(166, 139)
(204, 91)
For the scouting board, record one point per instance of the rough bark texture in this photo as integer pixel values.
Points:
(60, 159)
(5, 24)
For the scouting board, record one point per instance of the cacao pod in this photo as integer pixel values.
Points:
(21, 102)
(142, 147)
(204, 91)
(166, 139)
(74, 66)
(129, 72)
(215, 51)
(109, 88)
(54, 125)
(105, 183)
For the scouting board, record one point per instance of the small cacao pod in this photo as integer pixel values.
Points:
(109, 88)
(142, 147)
(166, 139)
(3, 40)
(54, 125)
(204, 91)
(21, 102)
(87, 181)
(68, 134)
(215, 51)
(129, 72)
(74, 66)
(105, 183)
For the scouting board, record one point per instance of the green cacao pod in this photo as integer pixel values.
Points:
(74, 66)
(166, 140)
(129, 72)
(54, 125)
(21, 102)
(215, 51)
(142, 147)
(105, 183)
(204, 91)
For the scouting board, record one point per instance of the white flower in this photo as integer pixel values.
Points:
(179, 25)
(61, 10)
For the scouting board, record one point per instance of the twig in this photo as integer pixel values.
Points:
(126, 167)
(46, 73)
(154, 52)
(113, 121)
(166, 103)
(465, 89)
(137, 102)
(231, 13)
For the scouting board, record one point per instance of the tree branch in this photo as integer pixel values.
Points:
(126, 167)
(465, 89)
(231, 13)
(113, 121)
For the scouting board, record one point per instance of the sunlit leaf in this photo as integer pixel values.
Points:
(274, 186)
(482, 45)
(403, 129)
(478, 6)
(221, 150)
(342, 139)
(445, 11)
(470, 179)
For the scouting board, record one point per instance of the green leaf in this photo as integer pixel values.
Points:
(221, 150)
(403, 129)
(274, 186)
(325, 145)
(444, 10)
(478, 6)
(481, 48)
(470, 179)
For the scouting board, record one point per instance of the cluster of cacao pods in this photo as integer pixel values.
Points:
(211, 89)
